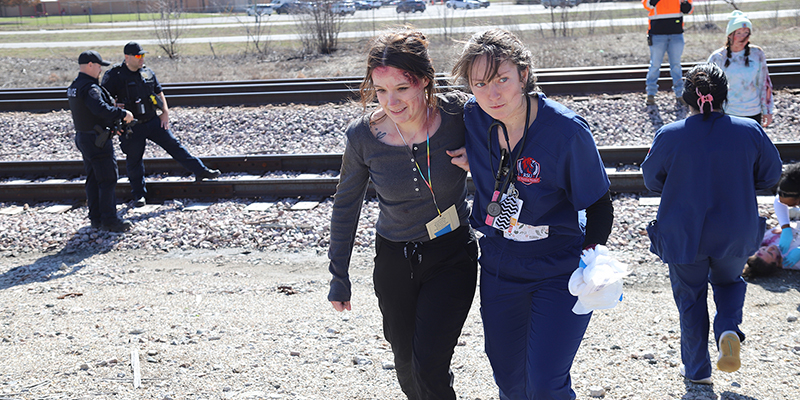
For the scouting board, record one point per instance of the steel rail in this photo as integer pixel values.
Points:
(612, 156)
(57, 188)
(585, 80)
(610, 71)
(311, 187)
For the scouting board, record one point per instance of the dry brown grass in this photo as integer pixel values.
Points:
(620, 48)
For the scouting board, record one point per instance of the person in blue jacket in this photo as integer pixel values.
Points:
(535, 166)
(708, 168)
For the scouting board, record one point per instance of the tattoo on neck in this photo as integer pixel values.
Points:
(381, 135)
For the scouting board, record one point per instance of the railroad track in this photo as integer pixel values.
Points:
(312, 176)
(784, 72)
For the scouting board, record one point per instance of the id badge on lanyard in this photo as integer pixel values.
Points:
(504, 209)
(443, 223)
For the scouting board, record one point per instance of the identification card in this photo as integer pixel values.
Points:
(443, 224)
(520, 232)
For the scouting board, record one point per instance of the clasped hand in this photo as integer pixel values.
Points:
(459, 158)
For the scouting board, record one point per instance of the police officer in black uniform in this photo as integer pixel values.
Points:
(93, 112)
(137, 89)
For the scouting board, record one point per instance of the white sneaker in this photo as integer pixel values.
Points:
(704, 381)
(729, 346)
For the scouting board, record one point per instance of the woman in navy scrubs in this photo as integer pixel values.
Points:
(535, 167)
(708, 168)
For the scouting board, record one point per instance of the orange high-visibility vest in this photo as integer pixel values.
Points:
(664, 10)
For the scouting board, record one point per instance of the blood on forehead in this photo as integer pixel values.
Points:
(395, 73)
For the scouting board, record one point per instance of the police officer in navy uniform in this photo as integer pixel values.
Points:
(137, 89)
(92, 107)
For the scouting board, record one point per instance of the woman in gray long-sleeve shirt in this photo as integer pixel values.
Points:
(426, 255)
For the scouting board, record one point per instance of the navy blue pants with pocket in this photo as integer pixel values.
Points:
(690, 291)
(531, 333)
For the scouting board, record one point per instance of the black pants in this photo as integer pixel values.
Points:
(101, 177)
(425, 290)
(134, 147)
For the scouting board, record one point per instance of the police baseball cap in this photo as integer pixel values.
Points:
(134, 49)
(92, 56)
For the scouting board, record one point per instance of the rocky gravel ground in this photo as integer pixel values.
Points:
(223, 303)
(615, 119)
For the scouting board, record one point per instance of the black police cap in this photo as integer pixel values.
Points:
(92, 56)
(134, 49)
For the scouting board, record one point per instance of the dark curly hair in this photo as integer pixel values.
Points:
(756, 267)
(789, 185)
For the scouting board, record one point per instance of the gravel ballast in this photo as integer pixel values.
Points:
(227, 304)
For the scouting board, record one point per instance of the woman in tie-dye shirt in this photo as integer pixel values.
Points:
(745, 66)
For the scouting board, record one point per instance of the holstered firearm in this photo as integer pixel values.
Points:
(102, 136)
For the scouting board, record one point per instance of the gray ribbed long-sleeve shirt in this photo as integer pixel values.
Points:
(405, 202)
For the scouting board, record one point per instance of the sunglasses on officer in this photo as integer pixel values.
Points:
(138, 56)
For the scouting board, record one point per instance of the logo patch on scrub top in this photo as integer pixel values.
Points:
(528, 171)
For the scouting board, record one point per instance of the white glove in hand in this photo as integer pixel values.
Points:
(599, 285)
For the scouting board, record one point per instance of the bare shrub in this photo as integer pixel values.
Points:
(733, 4)
(258, 30)
(167, 24)
(592, 14)
(319, 27)
(708, 8)
(560, 26)
(446, 22)
(373, 22)
(775, 21)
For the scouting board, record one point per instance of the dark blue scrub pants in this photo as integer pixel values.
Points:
(134, 150)
(690, 290)
(101, 177)
(531, 333)
(425, 291)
